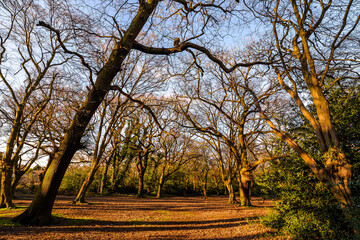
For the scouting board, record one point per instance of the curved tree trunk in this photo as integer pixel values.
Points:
(15, 181)
(39, 211)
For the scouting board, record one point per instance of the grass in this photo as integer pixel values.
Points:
(61, 219)
(16, 208)
(252, 221)
(8, 223)
(164, 215)
(140, 221)
(8, 213)
(5, 218)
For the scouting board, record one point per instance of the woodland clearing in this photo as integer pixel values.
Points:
(127, 217)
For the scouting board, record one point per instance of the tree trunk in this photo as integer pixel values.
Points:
(159, 192)
(104, 178)
(204, 189)
(140, 193)
(80, 198)
(161, 184)
(6, 189)
(120, 178)
(15, 181)
(230, 189)
(245, 186)
(204, 185)
(337, 175)
(39, 211)
(115, 170)
(217, 189)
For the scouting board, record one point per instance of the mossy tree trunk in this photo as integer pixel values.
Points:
(335, 170)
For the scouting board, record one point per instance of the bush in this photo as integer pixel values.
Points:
(307, 209)
(73, 180)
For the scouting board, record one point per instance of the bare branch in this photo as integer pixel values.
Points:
(82, 59)
(187, 45)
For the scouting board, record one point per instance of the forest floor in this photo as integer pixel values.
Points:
(126, 217)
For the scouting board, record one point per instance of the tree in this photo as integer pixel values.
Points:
(307, 209)
(146, 133)
(310, 54)
(175, 151)
(26, 99)
(112, 111)
(39, 212)
(224, 108)
(121, 42)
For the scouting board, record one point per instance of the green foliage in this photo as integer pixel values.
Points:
(8, 222)
(73, 180)
(307, 209)
(345, 109)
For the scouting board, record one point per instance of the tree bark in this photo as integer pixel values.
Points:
(104, 178)
(15, 181)
(160, 187)
(230, 189)
(140, 193)
(39, 211)
(161, 184)
(204, 184)
(6, 189)
(245, 186)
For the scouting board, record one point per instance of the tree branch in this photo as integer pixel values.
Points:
(82, 59)
(187, 45)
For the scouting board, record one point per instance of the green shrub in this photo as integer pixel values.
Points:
(307, 209)
(73, 179)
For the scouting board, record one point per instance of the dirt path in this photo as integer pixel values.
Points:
(125, 217)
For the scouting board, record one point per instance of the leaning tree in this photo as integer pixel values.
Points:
(195, 24)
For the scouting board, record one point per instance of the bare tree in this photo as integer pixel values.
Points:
(143, 25)
(175, 151)
(221, 107)
(28, 89)
(111, 115)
